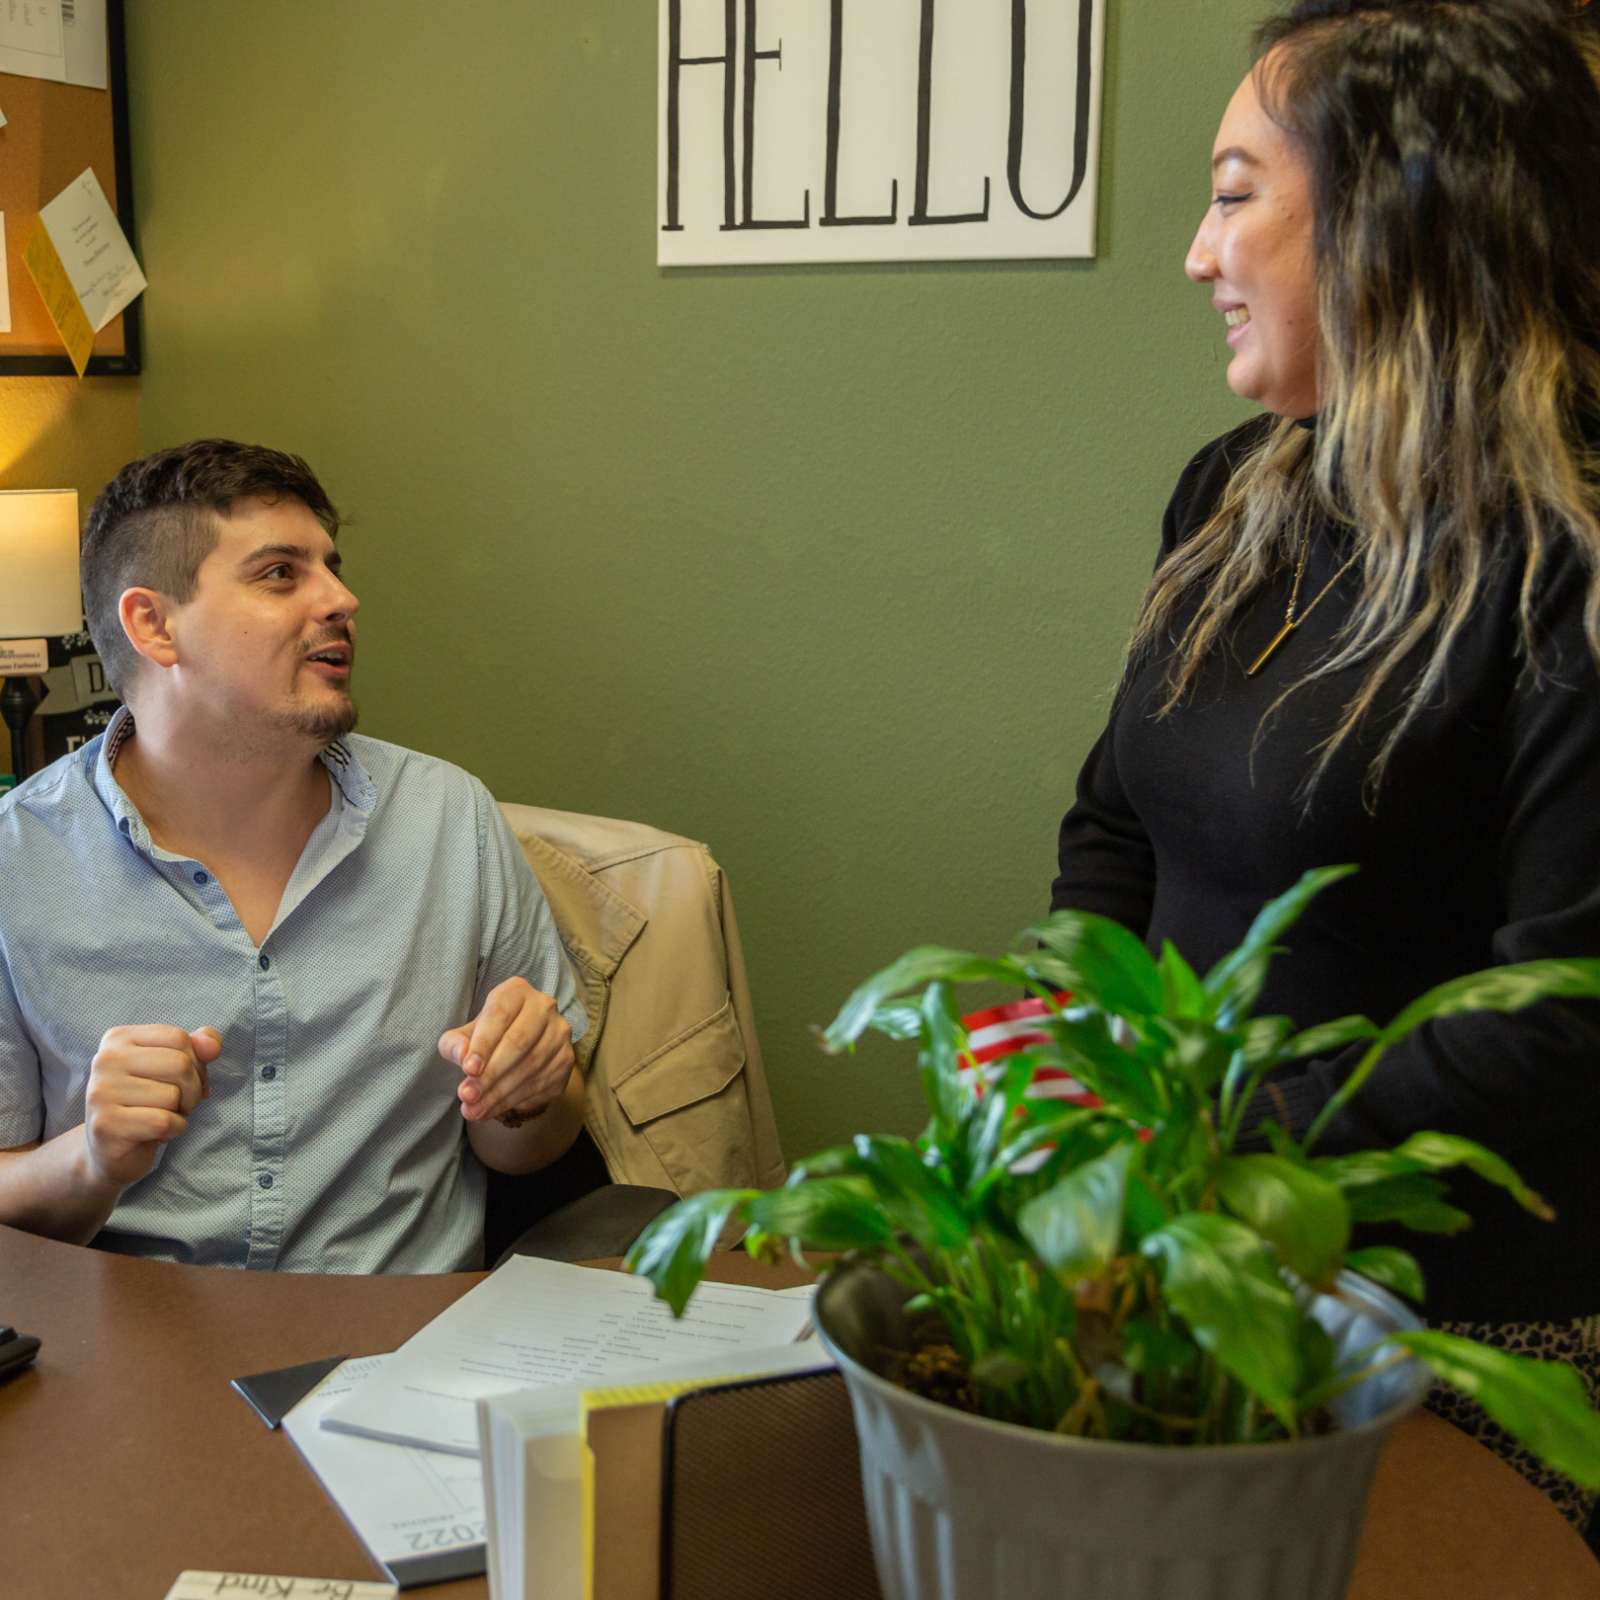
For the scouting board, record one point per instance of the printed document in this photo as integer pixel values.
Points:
(534, 1322)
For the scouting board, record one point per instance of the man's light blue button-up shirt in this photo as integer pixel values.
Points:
(333, 1140)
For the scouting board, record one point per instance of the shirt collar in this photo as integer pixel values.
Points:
(355, 786)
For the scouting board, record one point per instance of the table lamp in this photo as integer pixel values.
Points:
(40, 597)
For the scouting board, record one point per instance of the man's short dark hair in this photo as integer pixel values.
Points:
(156, 522)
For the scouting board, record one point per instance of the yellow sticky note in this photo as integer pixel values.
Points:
(60, 298)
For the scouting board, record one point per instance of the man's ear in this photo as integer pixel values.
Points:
(146, 616)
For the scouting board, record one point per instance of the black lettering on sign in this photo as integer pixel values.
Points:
(676, 62)
(919, 216)
(830, 217)
(751, 57)
(1080, 138)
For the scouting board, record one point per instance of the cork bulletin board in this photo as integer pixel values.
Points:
(52, 132)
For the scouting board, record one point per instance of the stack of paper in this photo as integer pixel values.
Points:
(536, 1322)
(391, 1437)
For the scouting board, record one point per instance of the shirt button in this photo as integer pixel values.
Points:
(268, 1074)
(125, 825)
(201, 877)
(265, 962)
(265, 1180)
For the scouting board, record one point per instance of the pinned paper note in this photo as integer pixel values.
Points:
(93, 248)
(60, 298)
(32, 43)
(62, 40)
(211, 1585)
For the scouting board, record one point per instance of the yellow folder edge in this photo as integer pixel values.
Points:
(622, 1394)
(60, 298)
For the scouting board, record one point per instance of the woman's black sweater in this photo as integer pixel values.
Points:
(1482, 847)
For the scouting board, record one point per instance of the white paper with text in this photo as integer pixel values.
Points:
(534, 1322)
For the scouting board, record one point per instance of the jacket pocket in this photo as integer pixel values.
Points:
(688, 1102)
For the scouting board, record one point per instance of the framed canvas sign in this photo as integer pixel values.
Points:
(877, 130)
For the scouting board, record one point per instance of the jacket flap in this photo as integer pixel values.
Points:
(701, 1061)
(597, 924)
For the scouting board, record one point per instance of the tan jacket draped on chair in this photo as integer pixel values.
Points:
(677, 1098)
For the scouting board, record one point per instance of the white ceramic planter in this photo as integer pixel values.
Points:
(962, 1508)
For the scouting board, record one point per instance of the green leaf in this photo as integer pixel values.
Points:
(1121, 1077)
(1102, 963)
(1509, 988)
(940, 1060)
(1328, 1037)
(1261, 1038)
(1438, 1151)
(1146, 1209)
(1076, 1224)
(834, 1162)
(1391, 1185)
(1542, 1404)
(1394, 1269)
(672, 1252)
(1148, 1347)
(997, 1116)
(1318, 1358)
(1221, 1279)
(900, 1019)
(1180, 986)
(1044, 1122)
(1236, 980)
(926, 964)
(1195, 1051)
(917, 1197)
(1301, 1215)
(824, 1214)
(1412, 1198)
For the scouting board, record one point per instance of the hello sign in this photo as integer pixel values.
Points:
(877, 130)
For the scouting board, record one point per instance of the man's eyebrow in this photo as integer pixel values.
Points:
(1234, 152)
(297, 552)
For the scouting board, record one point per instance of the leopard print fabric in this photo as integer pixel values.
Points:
(1578, 1344)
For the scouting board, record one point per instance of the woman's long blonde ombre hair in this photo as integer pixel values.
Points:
(1454, 149)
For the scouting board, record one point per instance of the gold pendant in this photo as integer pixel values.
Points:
(1272, 649)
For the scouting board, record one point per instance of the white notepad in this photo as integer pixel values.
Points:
(534, 1322)
(407, 1505)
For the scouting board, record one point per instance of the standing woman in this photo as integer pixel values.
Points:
(1373, 629)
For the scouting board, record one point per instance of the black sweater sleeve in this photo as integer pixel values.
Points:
(1518, 1080)
(1104, 856)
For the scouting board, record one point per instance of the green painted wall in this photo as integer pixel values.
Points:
(830, 567)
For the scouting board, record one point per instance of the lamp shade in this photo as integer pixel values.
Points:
(39, 590)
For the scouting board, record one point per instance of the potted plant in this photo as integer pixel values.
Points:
(1101, 1346)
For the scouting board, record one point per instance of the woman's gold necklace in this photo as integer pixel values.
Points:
(1290, 620)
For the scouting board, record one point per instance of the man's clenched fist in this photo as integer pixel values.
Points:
(143, 1083)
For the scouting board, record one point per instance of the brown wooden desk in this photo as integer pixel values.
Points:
(125, 1457)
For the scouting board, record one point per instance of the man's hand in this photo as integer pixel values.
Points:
(516, 1054)
(143, 1083)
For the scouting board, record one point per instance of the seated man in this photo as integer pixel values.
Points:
(258, 973)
